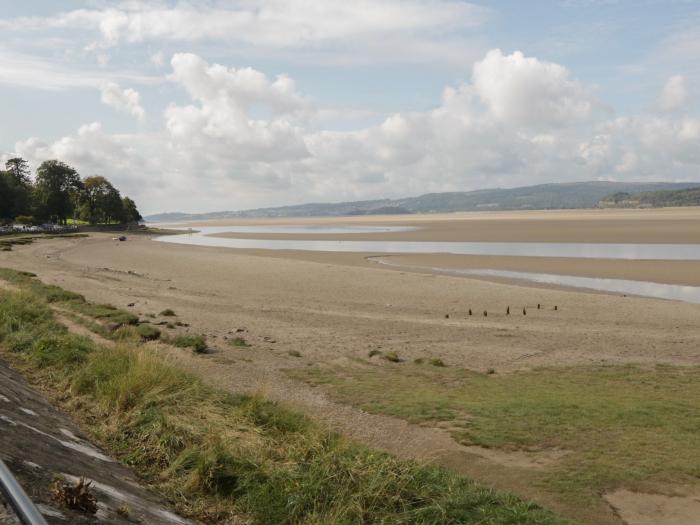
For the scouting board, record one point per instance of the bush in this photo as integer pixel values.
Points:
(168, 313)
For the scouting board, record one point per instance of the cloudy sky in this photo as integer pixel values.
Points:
(234, 104)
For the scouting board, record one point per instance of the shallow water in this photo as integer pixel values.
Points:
(203, 237)
(689, 294)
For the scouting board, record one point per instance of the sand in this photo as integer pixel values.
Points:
(333, 308)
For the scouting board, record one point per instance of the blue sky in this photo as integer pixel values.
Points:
(235, 104)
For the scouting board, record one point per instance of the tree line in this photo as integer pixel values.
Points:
(57, 194)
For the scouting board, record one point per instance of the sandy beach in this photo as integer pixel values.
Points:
(334, 308)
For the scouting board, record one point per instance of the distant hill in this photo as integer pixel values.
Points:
(571, 195)
(652, 199)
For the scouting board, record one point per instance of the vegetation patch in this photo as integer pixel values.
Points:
(148, 332)
(225, 458)
(240, 342)
(623, 425)
(392, 357)
(198, 343)
(168, 313)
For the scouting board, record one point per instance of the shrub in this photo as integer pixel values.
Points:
(294, 353)
(437, 362)
(372, 353)
(168, 313)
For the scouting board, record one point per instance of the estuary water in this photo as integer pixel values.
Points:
(203, 237)
(661, 252)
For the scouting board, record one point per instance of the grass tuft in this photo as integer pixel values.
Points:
(196, 342)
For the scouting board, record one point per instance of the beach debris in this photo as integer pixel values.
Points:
(76, 496)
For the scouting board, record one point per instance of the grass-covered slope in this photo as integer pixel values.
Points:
(223, 458)
(618, 426)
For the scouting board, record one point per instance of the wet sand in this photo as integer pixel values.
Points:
(668, 225)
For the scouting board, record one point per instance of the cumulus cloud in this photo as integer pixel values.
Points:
(127, 100)
(528, 92)
(674, 95)
(245, 140)
(222, 117)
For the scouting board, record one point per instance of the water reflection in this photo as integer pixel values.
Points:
(689, 294)
(664, 252)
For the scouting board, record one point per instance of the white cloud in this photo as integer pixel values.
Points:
(525, 91)
(275, 24)
(18, 69)
(127, 100)
(246, 140)
(674, 95)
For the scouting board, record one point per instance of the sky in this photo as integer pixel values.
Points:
(237, 104)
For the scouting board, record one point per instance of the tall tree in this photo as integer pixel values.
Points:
(6, 198)
(56, 185)
(18, 187)
(131, 213)
(19, 169)
(101, 201)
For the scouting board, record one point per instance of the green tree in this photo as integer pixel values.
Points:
(17, 188)
(5, 197)
(101, 201)
(19, 169)
(131, 213)
(56, 186)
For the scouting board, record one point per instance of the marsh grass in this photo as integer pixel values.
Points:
(224, 458)
(621, 425)
(148, 332)
(197, 343)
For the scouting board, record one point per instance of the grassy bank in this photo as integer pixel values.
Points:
(223, 458)
(620, 425)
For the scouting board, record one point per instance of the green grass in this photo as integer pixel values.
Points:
(225, 458)
(198, 343)
(148, 332)
(622, 425)
(239, 342)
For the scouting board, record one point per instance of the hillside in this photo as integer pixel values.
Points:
(653, 199)
(544, 196)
